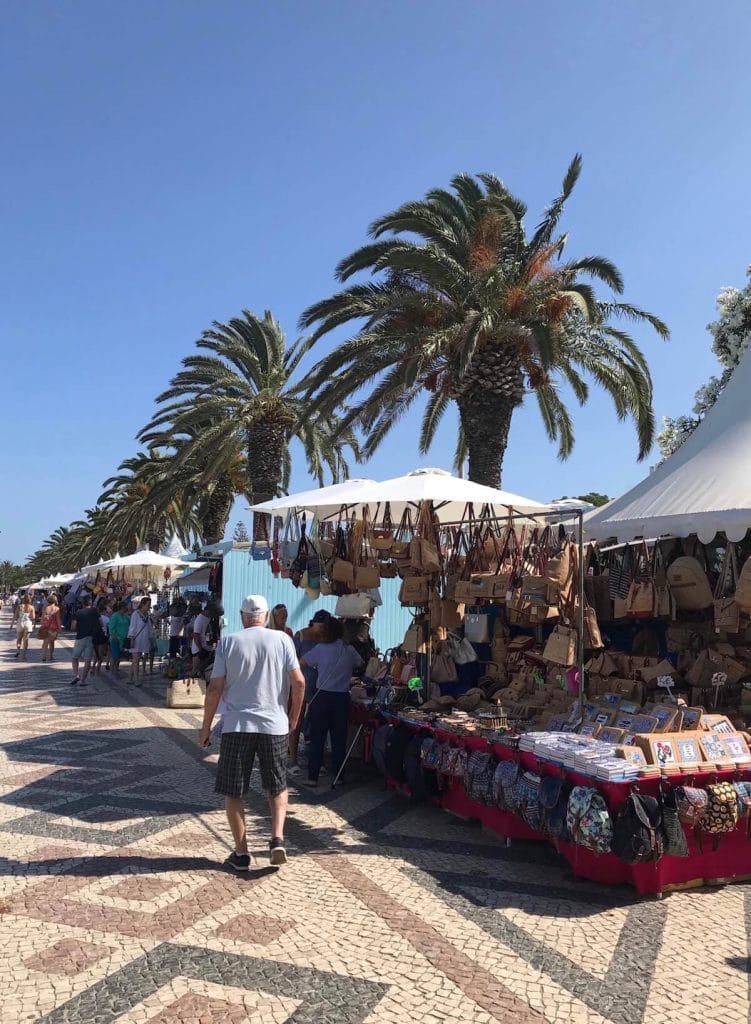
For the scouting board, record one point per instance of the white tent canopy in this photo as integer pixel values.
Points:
(138, 560)
(704, 488)
(448, 494)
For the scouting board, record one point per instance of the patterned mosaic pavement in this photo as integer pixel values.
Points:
(114, 906)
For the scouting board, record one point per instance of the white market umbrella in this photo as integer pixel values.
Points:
(329, 498)
(448, 494)
(138, 560)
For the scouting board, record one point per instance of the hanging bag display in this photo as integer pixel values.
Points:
(641, 601)
(443, 667)
(477, 629)
(299, 564)
(414, 591)
(743, 588)
(689, 586)
(727, 612)
(367, 575)
(342, 569)
(561, 646)
(382, 537)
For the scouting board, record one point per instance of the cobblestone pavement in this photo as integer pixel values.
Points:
(114, 906)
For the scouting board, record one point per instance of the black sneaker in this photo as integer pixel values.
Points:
(238, 861)
(75, 682)
(277, 853)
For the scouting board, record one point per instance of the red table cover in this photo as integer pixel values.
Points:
(732, 860)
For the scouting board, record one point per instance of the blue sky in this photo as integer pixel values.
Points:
(168, 164)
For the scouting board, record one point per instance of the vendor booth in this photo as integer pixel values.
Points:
(552, 689)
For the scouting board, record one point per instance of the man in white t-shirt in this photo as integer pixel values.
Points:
(200, 647)
(258, 678)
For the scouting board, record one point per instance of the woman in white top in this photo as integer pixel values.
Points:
(140, 634)
(24, 625)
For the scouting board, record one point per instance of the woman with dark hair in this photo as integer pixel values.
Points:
(328, 710)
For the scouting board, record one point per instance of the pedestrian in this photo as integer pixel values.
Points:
(329, 708)
(278, 619)
(200, 644)
(141, 634)
(176, 623)
(119, 627)
(305, 640)
(49, 627)
(86, 624)
(102, 638)
(257, 677)
(24, 619)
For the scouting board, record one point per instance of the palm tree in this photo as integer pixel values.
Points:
(467, 308)
(144, 503)
(241, 402)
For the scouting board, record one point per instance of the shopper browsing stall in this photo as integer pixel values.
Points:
(329, 708)
(141, 634)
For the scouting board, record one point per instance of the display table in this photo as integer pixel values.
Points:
(731, 862)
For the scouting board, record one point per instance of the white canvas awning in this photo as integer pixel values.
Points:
(448, 494)
(703, 489)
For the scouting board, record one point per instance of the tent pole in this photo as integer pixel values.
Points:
(581, 612)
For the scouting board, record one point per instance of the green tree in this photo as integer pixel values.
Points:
(731, 334)
(466, 308)
(238, 398)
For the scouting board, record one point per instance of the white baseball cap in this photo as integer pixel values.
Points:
(255, 604)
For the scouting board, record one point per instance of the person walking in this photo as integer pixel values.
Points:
(305, 640)
(328, 711)
(141, 634)
(86, 626)
(119, 627)
(102, 638)
(200, 643)
(49, 627)
(24, 617)
(258, 679)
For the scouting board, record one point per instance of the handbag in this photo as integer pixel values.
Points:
(476, 629)
(443, 666)
(672, 829)
(367, 577)
(415, 590)
(382, 539)
(461, 650)
(641, 600)
(353, 606)
(689, 585)
(561, 646)
(727, 611)
(414, 639)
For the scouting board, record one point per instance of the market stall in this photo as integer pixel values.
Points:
(582, 663)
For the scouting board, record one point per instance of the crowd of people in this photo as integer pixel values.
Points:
(107, 631)
(281, 696)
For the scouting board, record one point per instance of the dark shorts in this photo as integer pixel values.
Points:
(175, 643)
(237, 755)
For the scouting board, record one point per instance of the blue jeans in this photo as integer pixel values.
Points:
(328, 714)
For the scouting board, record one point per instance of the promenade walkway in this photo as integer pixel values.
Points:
(114, 906)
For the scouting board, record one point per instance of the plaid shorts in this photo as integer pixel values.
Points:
(237, 755)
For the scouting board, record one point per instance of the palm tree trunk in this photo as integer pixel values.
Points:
(217, 511)
(486, 419)
(267, 440)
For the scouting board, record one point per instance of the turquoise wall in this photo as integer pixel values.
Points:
(241, 576)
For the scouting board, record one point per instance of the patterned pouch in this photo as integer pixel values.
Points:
(691, 804)
(528, 798)
(504, 784)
